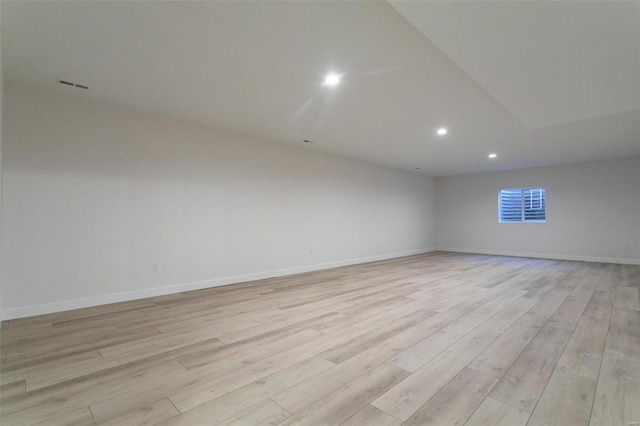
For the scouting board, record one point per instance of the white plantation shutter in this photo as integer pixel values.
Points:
(511, 205)
(522, 205)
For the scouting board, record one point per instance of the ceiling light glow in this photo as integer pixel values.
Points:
(442, 131)
(332, 79)
(493, 155)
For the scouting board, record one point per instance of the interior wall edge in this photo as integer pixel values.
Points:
(67, 305)
(556, 256)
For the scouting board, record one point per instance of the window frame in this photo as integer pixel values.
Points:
(522, 205)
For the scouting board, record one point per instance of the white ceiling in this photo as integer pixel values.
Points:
(545, 62)
(538, 83)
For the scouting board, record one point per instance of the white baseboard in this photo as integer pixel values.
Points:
(543, 255)
(47, 308)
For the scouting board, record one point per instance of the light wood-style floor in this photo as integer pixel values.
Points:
(446, 339)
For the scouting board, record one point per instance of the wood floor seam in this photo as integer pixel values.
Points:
(290, 413)
(92, 415)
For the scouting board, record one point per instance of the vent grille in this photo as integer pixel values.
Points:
(72, 84)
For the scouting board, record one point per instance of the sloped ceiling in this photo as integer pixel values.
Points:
(538, 83)
(546, 62)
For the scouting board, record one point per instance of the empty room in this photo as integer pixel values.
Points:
(373, 213)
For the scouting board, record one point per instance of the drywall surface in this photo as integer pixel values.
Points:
(593, 213)
(94, 196)
(1, 126)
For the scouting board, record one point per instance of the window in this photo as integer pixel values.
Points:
(522, 205)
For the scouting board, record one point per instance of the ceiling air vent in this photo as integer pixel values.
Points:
(69, 83)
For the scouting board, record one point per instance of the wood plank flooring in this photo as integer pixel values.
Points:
(435, 339)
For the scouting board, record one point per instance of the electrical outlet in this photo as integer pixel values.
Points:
(154, 267)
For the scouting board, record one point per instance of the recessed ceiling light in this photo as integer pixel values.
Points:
(442, 131)
(332, 79)
(493, 155)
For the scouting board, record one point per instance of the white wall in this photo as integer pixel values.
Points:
(94, 195)
(1, 126)
(593, 213)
